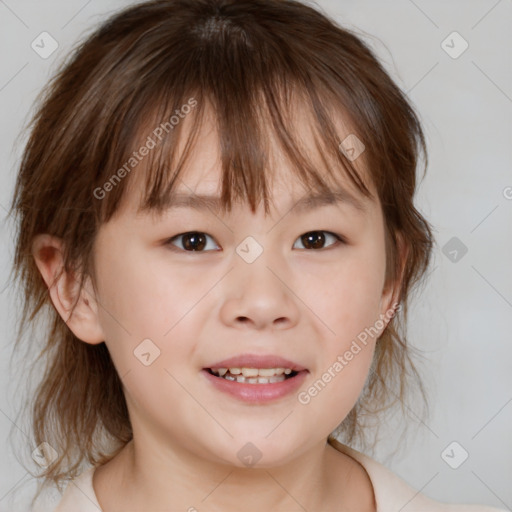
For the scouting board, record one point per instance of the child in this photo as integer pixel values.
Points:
(216, 202)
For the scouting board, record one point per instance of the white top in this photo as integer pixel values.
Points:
(392, 494)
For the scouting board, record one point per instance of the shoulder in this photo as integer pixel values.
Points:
(393, 493)
(79, 495)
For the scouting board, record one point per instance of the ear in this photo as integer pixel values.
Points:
(47, 251)
(391, 292)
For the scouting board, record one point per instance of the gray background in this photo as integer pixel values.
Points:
(461, 320)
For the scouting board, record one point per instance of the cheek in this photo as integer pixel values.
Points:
(333, 393)
(345, 294)
(348, 303)
(142, 301)
(148, 324)
(347, 352)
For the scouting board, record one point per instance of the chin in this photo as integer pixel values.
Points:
(259, 452)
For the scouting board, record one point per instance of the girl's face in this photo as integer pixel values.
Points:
(255, 287)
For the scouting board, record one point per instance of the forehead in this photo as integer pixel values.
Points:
(199, 184)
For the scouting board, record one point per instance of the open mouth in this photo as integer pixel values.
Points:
(259, 382)
(253, 375)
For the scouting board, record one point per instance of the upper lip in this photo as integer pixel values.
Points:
(257, 361)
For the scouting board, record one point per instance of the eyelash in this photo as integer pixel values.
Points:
(339, 238)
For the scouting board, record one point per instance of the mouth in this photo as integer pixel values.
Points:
(256, 379)
(253, 375)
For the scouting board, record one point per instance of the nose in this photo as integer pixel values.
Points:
(259, 296)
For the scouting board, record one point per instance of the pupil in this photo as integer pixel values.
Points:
(194, 241)
(316, 238)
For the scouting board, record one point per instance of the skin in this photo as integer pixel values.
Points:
(304, 304)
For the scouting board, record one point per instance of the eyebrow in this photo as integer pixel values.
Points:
(201, 202)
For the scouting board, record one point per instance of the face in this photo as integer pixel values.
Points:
(294, 290)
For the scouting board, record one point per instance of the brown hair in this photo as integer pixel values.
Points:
(244, 58)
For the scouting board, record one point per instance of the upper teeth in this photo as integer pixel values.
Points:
(253, 372)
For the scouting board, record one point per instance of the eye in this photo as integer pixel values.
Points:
(192, 241)
(197, 241)
(316, 239)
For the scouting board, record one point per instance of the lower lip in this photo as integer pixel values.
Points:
(257, 393)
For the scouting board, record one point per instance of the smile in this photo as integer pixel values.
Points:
(254, 375)
(257, 388)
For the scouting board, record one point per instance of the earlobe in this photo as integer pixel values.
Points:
(63, 288)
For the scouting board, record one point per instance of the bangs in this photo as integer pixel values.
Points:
(263, 109)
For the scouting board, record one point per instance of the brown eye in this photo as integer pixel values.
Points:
(191, 241)
(316, 239)
(197, 241)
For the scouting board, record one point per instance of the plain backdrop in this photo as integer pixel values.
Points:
(461, 319)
